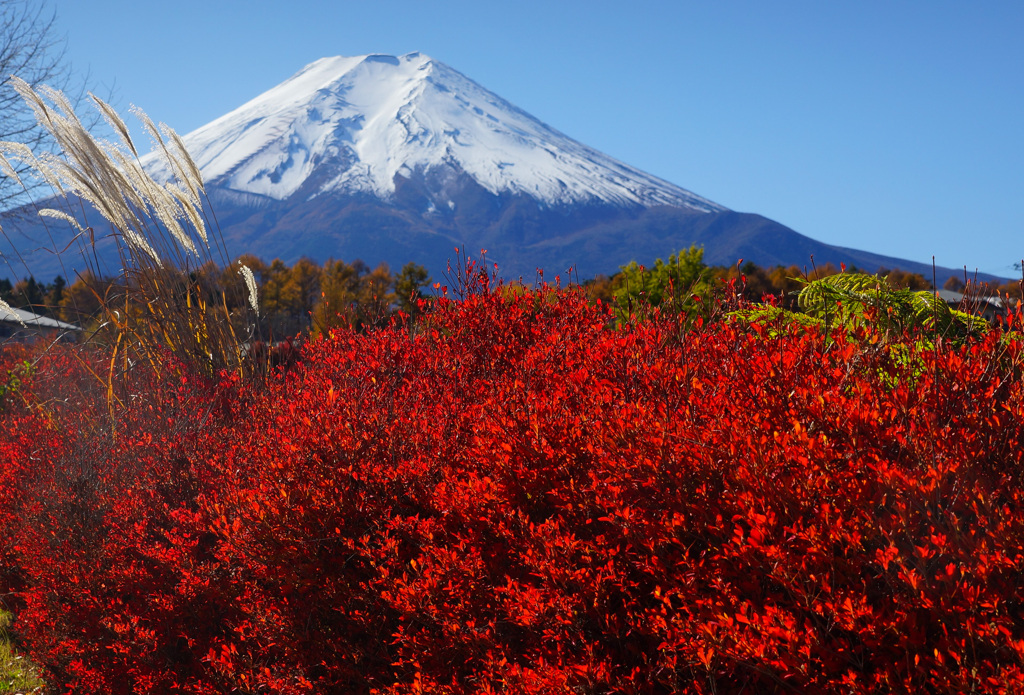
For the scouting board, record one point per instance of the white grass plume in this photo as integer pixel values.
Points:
(157, 227)
(250, 282)
(61, 215)
(20, 152)
(114, 120)
(8, 170)
(112, 181)
(190, 164)
(5, 307)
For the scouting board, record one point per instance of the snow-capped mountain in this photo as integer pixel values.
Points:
(357, 124)
(404, 159)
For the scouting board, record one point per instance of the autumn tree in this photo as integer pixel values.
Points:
(339, 292)
(787, 283)
(302, 287)
(353, 295)
(409, 286)
(272, 283)
(600, 288)
(289, 295)
(901, 279)
(81, 303)
(953, 284)
(377, 296)
(1012, 289)
(754, 280)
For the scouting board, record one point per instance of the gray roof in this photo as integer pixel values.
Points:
(951, 297)
(27, 318)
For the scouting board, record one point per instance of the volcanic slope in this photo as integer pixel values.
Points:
(400, 159)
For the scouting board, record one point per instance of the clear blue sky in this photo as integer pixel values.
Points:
(895, 127)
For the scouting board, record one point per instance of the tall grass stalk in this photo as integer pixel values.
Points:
(162, 233)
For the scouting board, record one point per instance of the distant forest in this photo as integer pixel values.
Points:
(308, 296)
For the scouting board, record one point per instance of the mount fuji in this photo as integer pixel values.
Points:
(368, 125)
(401, 159)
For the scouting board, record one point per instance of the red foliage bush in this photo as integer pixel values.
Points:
(513, 496)
(103, 508)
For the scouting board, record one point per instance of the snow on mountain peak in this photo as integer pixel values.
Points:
(354, 124)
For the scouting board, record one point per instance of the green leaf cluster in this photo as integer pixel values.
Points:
(849, 299)
(672, 284)
(11, 387)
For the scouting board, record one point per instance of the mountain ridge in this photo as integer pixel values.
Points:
(405, 159)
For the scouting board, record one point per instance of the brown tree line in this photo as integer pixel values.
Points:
(307, 297)
(303, 297)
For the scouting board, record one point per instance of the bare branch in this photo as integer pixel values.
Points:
(31, 49)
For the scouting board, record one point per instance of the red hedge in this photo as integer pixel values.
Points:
(512, 496)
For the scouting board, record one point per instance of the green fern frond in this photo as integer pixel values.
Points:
(772, 314)
(846, 298)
